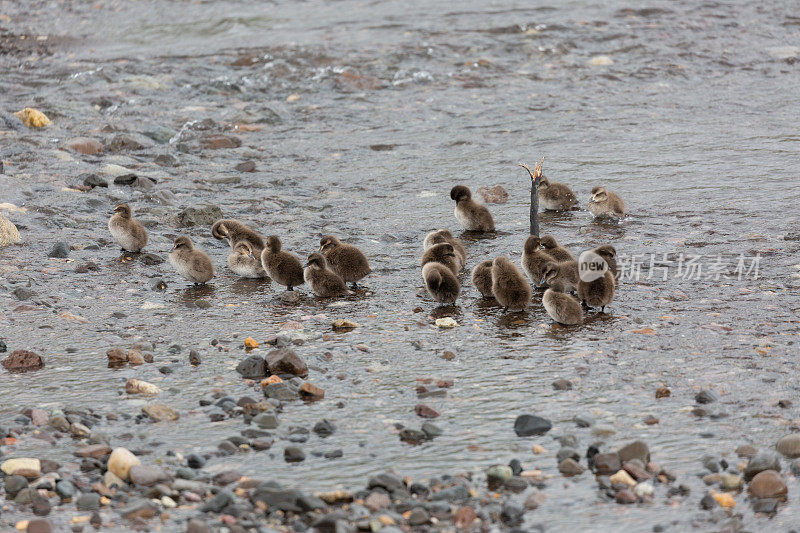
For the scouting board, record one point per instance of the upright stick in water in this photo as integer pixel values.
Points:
(535, 176)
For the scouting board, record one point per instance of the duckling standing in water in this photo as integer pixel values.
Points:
(469, 213)
(242, 262)
(280, 265)
(441, 283)
(345, 259)
(607, 252)
(555, 250)
(562, 307)
(564, 272)
(552, 196)
(126, 230)
(234, 231)
(509, 286)
(323, 281)
(443, 253)
(482, 278)
(534, 259)
(597, 293)
(190, 262)
(606, 203)
(444, 235)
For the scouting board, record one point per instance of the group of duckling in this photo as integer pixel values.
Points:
(327, 272)
(546, 263)
(336, 263)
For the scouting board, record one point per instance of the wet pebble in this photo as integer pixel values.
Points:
(60, 250)
(789, 445)
(767, 484)
(88, 502)
(293, 454)
(706, 396)
(562, 384)
(763, 460)
(529, 425)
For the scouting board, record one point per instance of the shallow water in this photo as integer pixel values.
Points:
(691, 125)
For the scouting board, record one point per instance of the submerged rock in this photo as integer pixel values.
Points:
(22, 361)
(529, 425)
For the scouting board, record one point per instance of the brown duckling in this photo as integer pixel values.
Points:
(555, 196)
(482, 278)
(509, 286)
(345, 259)
(597, 293)
(534, 259)
(234, 231)
(441, 283)
(444, 235)
(443, 253)
(565, 272)
(607, 252)
(555, 250)
(606, 203)
(242, 262)
(190, 262)
(323, 281)
(469, 213)
(562, 307)
(126, 230)
(280, 265)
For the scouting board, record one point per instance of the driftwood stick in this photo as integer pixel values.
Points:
(534, 212)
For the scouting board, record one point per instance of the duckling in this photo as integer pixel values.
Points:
(323, 281)
(280, 265)
(562, 307)
(509, 285)
(242, 262)
(443, 253)
(565, 272)
(555, 196)
(444, 235)
(607, 252)
(534, 259)
(555, 250)
(345, 259)
(597, 293)
(482, 278)
(234, 231)
(126, 230)
(606, 203)
(441, 283)
(190, 262)
(469, 213)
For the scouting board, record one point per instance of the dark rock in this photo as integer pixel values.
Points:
(293, 454)
(768, 484)
(137, 182)
(431, 430)
(88, 502)
(282, 391)
(562, 384)
(14, 484)
(65, 489)
(764, 506)
(324, 428)
(418, 517)
(39, 526)
(634, 450)
(246, 166)
(607, 463)
(200, 216)
(252, 367)
(387, 481)
(195, 461)
(570, 467)
(221, 499)
(285, 361)
(93, 180)
(194, 358)
(529, 425)
(707, 502)
(711, 463)
(706, 396)
(515, 466)
(412, 436)
(122, 142)
(425, 411)
(60, 250)
(22, 361)
(227, 477)
(3, 347)
(151, 259)
(511, 514)
(763, 460)
(333, 454)
(23, 293)
(40, 505)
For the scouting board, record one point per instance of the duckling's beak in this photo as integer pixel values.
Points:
(543, 280)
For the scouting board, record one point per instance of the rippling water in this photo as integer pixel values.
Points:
(693, 123)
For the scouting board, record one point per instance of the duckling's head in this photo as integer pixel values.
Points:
(183, 243)
(543, 183)
(317, 260)
(549, 242)
(273, 243)
(501, 261)
(123, 210)
(606, 251)
(532, 244)
(550, 272)
(328, 241)
(599, 194)
(243, 248)
(220, 230)
(558, 286)
(459, 193)
(441, 252)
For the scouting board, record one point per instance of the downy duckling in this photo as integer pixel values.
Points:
(607, 252)
(441, 283)
(345, 259)
(280, 265)
(562, 307)
(597, 293)
(482, 278)
(190, 262)
(444, 235)
(443, 253)
(555, 250)
(509, 286)
(555, 196)
(534, 259)
(242, 262)
(234, 231)
(126, 230)
(323, 281)
(469, 213)
(606, 203)
(565, 272)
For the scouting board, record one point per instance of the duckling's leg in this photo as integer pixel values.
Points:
(603, 309)
(289, 288)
